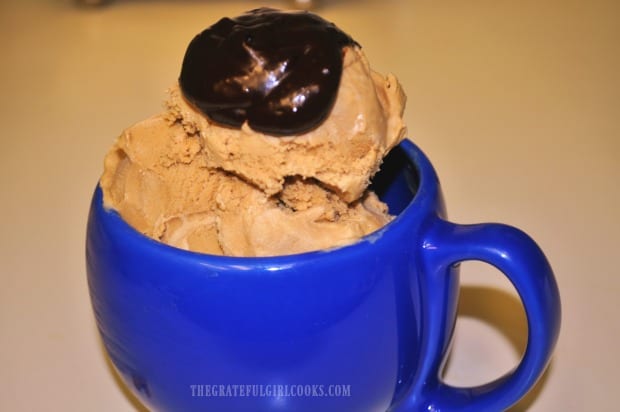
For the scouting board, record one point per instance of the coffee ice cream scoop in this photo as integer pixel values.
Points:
(267, 145)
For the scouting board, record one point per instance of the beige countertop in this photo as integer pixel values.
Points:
(516, 103)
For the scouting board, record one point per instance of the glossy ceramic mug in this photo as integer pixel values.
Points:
(365, 327)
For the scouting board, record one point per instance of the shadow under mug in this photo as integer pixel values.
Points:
(365, 327)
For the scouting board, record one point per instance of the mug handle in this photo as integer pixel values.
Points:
(520, 259)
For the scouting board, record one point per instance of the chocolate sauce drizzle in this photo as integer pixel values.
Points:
(279, 71)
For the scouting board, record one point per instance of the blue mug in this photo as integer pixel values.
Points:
(364, 327)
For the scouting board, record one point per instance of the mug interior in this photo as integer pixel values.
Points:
(397, 182)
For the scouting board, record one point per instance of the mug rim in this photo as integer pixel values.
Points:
(421, 200)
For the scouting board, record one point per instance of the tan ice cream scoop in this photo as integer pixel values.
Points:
(192, 182)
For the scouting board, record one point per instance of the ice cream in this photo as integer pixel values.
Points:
(268, 152)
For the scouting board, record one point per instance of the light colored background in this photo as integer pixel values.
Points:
(516, 102)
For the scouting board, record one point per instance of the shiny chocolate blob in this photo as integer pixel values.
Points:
(279, 71)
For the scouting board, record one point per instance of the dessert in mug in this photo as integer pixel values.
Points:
(267, 143)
